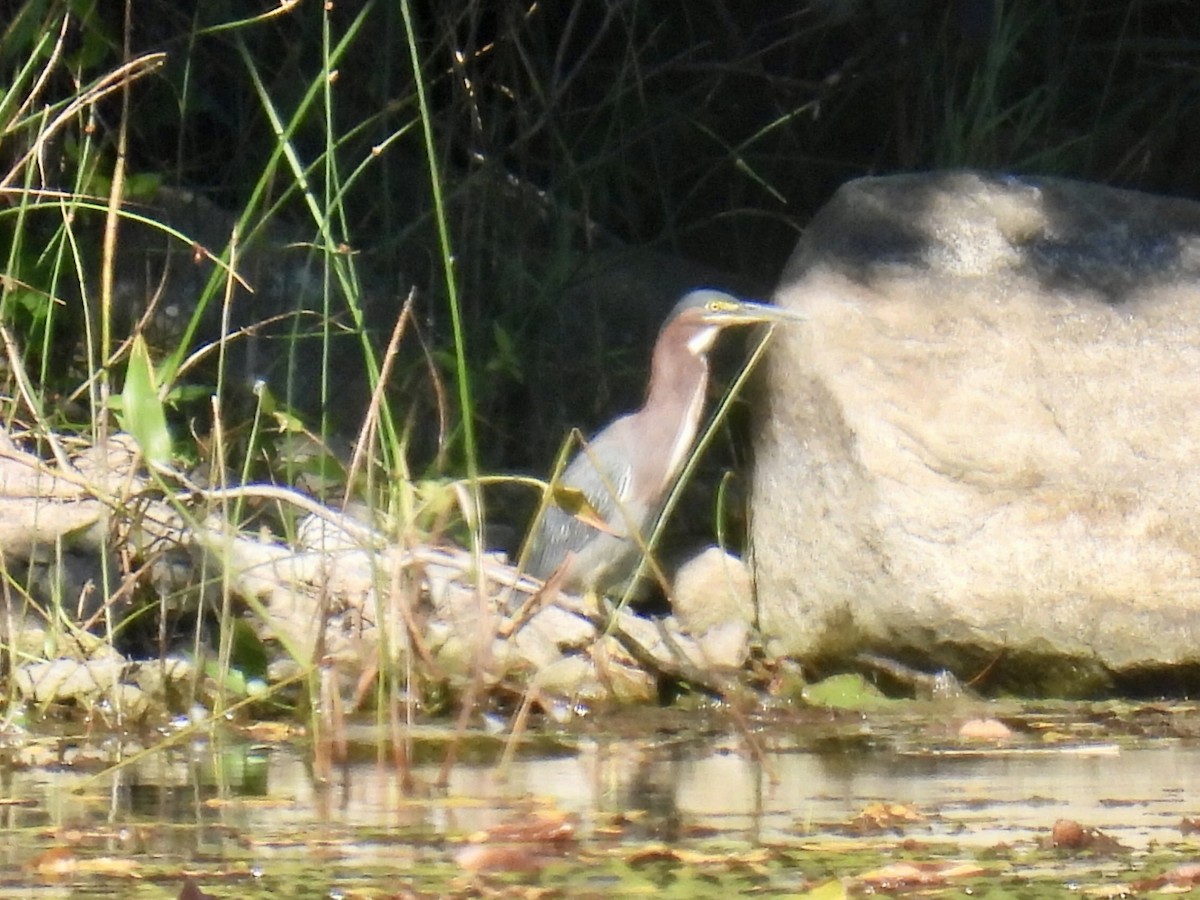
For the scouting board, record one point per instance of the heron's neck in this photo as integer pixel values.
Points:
(674, 406)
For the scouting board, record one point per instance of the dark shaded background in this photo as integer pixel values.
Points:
(601, 155)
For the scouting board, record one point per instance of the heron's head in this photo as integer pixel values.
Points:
(701, 315)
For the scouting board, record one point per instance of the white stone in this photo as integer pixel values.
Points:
(711, 589)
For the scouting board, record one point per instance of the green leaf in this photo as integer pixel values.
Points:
(574, 502)
(266, 399)
(846, 691)
(142, 185)
(142, 413)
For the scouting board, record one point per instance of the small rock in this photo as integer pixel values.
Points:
(726, 646)
(154, 677)
(566, 677)
(566, 629)
(984, 730)
(127, 703)
(625, 683)
(711, 589)
(68, 679)
(535, 647)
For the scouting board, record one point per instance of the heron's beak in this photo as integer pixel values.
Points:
(746, 312)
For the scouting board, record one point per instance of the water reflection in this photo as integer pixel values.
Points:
(667, 791)
(679, 789)
(1136, 795)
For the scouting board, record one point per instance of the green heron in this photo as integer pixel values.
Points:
(626, 470)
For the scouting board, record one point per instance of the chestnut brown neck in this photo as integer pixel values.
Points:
(671, 415)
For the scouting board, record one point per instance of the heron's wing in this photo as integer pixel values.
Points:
(603, 473)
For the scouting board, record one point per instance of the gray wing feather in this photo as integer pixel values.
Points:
(608, 490)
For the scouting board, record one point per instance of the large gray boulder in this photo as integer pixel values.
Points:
(983, 450)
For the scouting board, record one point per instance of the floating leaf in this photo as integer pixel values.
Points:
(1067, 834)
(901, 875)
(1175, 881)
(877, 817)
(846, 691)
(519, 845)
